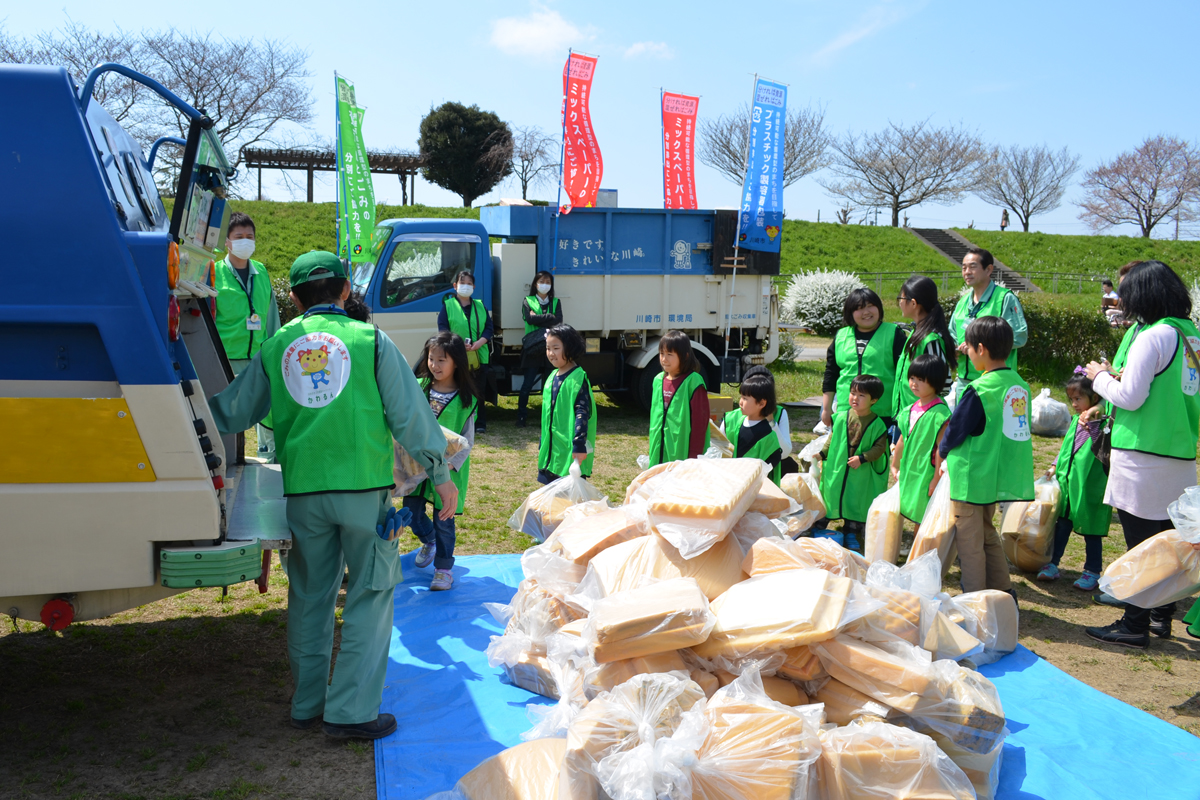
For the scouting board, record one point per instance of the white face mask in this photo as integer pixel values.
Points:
(464, 289)
(242, 248)
(543, 288)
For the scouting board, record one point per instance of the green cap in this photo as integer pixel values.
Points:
(316, 265)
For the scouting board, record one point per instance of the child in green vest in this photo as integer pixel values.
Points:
(748, 427)
(856, 459)
(445, 376)
(568, 409)
(1083, 480)
(471, 320)
(915, 460)
(988, 450)
(678, 403)
(780, 421)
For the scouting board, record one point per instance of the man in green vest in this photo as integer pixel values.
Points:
(246, 313)
(339, 392)
(985, 299)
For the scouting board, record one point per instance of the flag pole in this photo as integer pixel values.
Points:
(662, 125)
(562, 167)
(737, 234)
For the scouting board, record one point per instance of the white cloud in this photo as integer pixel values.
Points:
(875, 19)
(542, 32)
(650, 50)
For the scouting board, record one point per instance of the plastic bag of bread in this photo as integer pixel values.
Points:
(805, 490)
(752, 527)
(898, 617)
(531, 616)
(945, 639)
(581, 537)
(408, 474)
(718, 439)
(545, 508)
(879, 761)
(642, 487)
(655, 618)
(599, 678)
(981, 769)
(991, 617)
(800, 664)
(1185, 514)
(1160, 570)
(566, 658)
(770, 555)
(921, 575)
(808, 453)
(782, 610)
(528, 771)
(1027, 529)
(781, 690)
(627, 565)
(552, 571)
(639, 712)
(844, 704)
(533, 673)
(937, 528)
(771, 501)
(884, 527)
(702, 499)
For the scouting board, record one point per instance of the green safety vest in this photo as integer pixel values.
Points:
(848, 493)
(556, 450)
(330, 430)
(453, 416)
(235, 304)
(471, 328)
(997, 465)
(763, 449)
(1118, 362)
(876, 360)
(1168, 422)
(1082, 478)
(671, 421)
(536, 307)
(916, 459)
(902, 396)
(962, 317)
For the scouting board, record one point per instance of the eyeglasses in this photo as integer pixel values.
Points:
(903, 299)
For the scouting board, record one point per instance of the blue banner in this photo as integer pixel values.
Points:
(762, 190)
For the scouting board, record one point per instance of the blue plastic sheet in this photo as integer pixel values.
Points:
(1068, 740)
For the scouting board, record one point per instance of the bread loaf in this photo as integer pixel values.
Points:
(991, 617)
(606, 676)
(528, 771)
(889, 678)
(947, 640)
(1027, 533)
(701, 500)
(770, 499)
(880, 761)
(778, 689)
(884, 529)
(581, 540)
(642, 487)
(664, 616)
(800, 665)
(628, 564)
(899, 618)
(706, 681)
(533, 674)
(1163, 569)
(805, 490)
(844, 704)
(768, 555)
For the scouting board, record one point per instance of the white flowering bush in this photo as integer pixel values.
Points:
(1194, 291)
(814, 299)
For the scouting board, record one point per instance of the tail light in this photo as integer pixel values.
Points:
(172, 265)
(173, 319)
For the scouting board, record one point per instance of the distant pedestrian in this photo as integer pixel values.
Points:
(1003, 220)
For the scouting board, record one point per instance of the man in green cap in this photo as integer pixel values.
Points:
(338, 392)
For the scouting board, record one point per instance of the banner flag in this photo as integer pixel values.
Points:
(679, 150)
(356, 192)
(583, 166)
(762, 190)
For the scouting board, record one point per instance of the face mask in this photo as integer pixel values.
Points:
(242, 248)
(465, 290)
(543, 288)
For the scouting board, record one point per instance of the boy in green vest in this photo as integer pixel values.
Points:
(985, 299)
(338, 391)
(748, 427)
(988, 453)
(856, 459)
(246, 313)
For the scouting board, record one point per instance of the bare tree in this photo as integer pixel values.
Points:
(1143, 187)
(805, 142)
(534, 157)
(843, 214)
(901, 167)
(1029, 180)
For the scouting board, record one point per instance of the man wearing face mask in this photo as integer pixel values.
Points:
(246, 314)
(471, 320)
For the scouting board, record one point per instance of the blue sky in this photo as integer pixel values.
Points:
(1098, 77)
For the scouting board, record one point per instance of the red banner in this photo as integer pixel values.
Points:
(679, 150)
(583, 164)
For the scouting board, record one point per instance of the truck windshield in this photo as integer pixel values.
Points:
(365, 270)
(423, 267)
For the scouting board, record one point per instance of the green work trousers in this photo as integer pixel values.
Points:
(331, 531)
(266, 436)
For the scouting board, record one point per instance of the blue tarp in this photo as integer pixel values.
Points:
(1068, 740)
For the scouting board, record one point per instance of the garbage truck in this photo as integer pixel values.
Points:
(625, 276)
(116, 489)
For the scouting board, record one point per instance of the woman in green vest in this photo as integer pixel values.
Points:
(856, 459)
(445, 378)
(568, 409)
(865, 346)
(922, 423)
(471, 320)
(678, 403)
(540, 311)
(748, 427)
(1156, 415)
(930, 335)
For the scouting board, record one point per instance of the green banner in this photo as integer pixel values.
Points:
(356, 192)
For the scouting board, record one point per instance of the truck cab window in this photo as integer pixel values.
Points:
(419, 269)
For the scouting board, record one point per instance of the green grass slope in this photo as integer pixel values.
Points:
(855, 248)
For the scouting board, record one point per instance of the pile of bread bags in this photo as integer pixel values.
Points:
(697, 651)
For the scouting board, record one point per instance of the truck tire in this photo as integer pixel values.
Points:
(641, 384)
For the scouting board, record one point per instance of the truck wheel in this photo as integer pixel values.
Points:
(641, 385)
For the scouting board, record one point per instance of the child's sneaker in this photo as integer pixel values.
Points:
(1088, 582)
(425, 554)
(1048, 572)
(443, 579)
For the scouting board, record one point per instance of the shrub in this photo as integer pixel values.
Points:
(1194, 292)
(814, 299)
(281, 285)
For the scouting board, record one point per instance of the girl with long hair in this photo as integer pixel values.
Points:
(930, 335)
(678, 402)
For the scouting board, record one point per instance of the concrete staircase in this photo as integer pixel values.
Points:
(954, 247)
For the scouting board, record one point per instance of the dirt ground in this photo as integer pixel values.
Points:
(188, 697)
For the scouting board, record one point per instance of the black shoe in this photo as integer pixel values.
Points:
(305, 724)
(1117, 633)
(521, 420)
(480, 429)
(1013, 594)
(1161, 628)
(381, 726)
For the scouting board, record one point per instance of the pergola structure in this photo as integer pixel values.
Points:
(404, 165)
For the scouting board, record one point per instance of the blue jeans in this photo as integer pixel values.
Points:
(431, 529)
